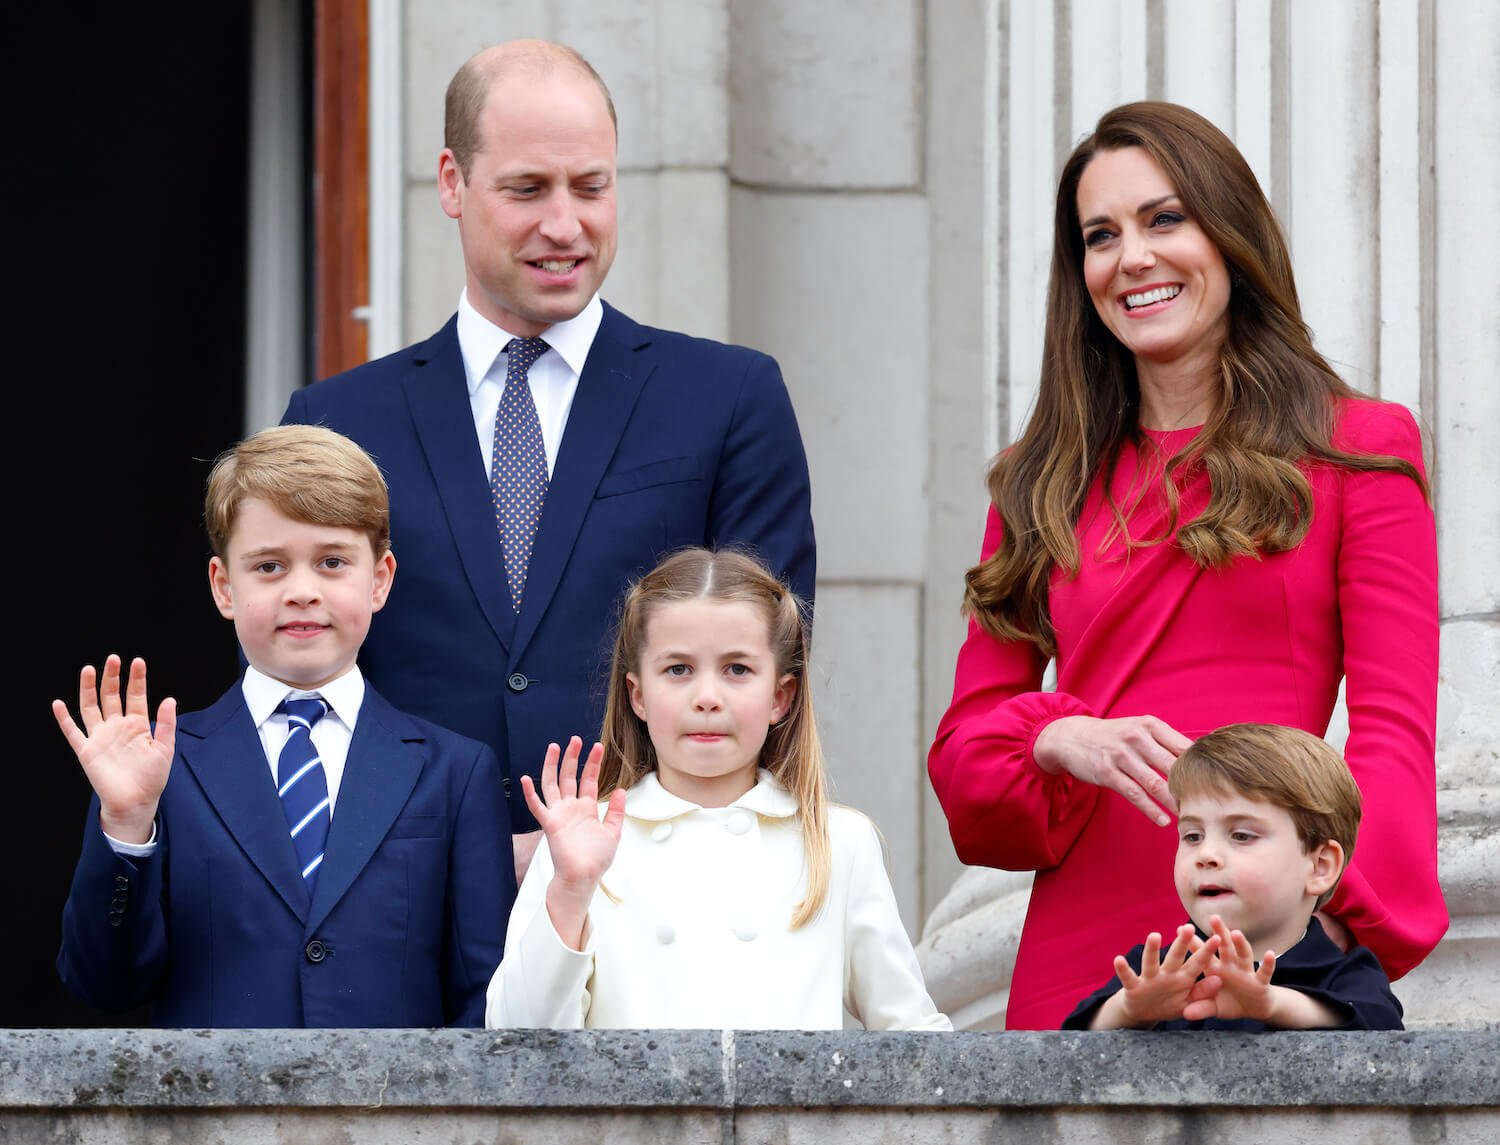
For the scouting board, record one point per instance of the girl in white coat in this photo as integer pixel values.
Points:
(715, 886)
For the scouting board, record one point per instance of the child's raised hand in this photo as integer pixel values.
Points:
(1234, 988)
(1164, 985)
(125, 761)
(582, 844)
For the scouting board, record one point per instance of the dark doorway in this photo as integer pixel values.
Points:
(133, 271)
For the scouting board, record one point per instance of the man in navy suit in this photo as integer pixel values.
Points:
(653, 440)
(301, 853)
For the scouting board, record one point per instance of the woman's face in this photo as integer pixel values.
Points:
(1156, 279)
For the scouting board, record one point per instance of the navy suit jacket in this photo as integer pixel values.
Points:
(216, 928)
(670, 441)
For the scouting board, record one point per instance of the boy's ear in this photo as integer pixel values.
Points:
(218, 584)
(1327, 860)
(385, 573)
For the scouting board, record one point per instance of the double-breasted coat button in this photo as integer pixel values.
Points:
(121, 881)
(517, 682)
(746, 933)
(316, 951)
(666, 934)
(738, 822)
(660, 832)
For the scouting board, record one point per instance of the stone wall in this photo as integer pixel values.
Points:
(863, 188)
(248, 1087)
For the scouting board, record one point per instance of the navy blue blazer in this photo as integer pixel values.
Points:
(670, 441)
(216, 928)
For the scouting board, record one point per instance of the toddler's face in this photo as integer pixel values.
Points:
(1241, 859)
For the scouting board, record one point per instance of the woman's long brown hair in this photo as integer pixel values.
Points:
(1275, 409)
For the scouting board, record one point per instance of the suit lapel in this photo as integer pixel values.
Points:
(438, 396)
(611, 382)
(220, 747)
(386, 758)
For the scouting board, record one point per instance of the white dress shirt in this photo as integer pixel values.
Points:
(553, 376)
(697, 933)
(331, 735)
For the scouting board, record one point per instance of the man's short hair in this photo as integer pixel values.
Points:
(307, 472)
(1283, 766)
(469, 89)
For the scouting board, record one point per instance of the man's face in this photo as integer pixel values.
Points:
(536, 215)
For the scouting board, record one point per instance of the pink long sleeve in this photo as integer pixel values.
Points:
(1003, 811)
(1387, 594)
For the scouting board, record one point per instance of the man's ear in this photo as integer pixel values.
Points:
(218, 584)
(451, 185)
(1327, 864)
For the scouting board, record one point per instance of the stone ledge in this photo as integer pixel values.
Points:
(145, 1070)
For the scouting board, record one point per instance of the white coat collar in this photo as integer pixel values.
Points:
(649, 800)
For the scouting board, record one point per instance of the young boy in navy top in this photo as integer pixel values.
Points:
(269, 863)
(1266, 822)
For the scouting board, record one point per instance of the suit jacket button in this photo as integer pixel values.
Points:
(517, 682)
(316, 951)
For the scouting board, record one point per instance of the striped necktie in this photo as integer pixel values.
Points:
(303, 787)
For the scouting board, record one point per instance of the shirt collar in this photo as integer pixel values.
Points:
(480, 341)
(343, 695)
(648, 799)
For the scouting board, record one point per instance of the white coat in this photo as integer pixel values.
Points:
(700, 935)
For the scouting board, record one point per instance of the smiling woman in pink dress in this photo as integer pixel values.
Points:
(1203, 525)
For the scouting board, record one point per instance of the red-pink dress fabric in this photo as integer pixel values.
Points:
(1262, 640)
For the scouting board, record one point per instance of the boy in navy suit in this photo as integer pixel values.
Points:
(1266, 820)
(301, 853)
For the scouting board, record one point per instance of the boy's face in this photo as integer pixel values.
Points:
(1241, 859)
(300, 595)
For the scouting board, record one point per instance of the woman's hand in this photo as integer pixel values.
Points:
(582, 845)
(1131, 756)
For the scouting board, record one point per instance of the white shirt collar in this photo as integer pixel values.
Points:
(343, 695)
(480, 341)
(648, 799)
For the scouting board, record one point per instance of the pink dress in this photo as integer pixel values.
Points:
(1262, 640)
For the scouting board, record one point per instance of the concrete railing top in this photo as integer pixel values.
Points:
(623, 1069)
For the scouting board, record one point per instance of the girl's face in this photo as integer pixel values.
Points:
(708, 691)
(1156, 279)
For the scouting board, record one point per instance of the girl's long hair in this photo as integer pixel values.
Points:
(1276, 405)
(792, 752)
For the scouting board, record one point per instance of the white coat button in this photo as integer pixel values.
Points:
(661, 831)
(738, 823)
(745, 933)
(666, 934)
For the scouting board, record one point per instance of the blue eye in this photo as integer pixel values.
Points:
(676, 670)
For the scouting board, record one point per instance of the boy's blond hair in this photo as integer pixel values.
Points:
(307, 472)
(1286, 767)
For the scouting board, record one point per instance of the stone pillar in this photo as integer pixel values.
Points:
(1361, 123)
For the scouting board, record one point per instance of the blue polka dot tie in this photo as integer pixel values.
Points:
(518, 473)
(303, 787)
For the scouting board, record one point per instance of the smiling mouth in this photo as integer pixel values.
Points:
(1213, 892)
(1148, 297)
(556, 265)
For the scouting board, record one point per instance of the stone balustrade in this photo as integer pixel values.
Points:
(527, 1087)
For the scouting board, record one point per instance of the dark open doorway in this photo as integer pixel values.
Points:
(133, 271)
